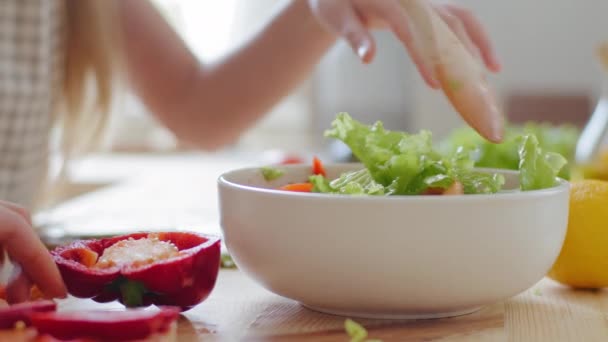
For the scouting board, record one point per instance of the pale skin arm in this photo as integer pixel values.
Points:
(209, 106)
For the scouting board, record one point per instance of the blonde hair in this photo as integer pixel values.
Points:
(92, 62)
(93, 57)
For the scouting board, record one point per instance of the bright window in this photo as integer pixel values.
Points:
(211, 28)
(206, 25)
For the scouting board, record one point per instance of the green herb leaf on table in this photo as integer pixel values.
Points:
(226, 261)
(357, 332)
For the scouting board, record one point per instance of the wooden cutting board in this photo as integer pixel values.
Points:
(240, 310)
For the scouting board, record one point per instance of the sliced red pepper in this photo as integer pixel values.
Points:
(288, 160)
(317, 167)
(131, 324)
(22, 312)
(298, 187)
(184, 280)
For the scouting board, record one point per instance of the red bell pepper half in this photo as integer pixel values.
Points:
(131, 324)
(183, 280)
(22, 312)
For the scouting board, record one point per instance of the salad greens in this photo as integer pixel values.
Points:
(558, 139)
(271, 173)
(538, 169)
(351, 183)
(398, 163)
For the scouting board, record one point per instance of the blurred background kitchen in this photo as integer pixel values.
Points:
(547, 47)
(550, 73)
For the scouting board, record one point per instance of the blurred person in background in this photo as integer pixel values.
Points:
(61, 60)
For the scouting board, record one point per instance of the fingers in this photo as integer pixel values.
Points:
(477, 35)
(397, 19)
(340, 18)
(360, 40)
(349, 19)
(25, 248)
(21, 211)
(18, 289)
(458, 28)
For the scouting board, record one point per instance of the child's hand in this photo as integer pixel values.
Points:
(24, 248)
(351, 20)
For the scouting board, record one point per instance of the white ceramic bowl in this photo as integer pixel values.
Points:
(390, 257)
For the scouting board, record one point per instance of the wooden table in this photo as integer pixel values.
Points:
(240, 310)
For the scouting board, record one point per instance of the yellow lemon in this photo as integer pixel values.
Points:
(583, 261)
(597, 169)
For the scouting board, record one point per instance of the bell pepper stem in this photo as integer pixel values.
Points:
(132, 293)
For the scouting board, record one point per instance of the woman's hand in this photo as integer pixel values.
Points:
(352, 19)
(33, 262)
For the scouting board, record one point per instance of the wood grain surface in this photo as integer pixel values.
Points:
(240, 310)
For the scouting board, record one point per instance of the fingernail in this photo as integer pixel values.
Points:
(496, 63)
(497, 66)
(363, 50)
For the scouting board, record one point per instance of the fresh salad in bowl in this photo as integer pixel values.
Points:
(399, 163)
(560, 139)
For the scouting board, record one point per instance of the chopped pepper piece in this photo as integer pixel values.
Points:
(318, 168)
(298, 187)
(141, 269)
(131, 324)
(11, 315)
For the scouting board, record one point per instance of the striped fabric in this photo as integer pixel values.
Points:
(31, 67)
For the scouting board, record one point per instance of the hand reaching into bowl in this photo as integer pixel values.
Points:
(352, 20)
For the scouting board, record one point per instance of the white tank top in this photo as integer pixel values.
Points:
(31, 71)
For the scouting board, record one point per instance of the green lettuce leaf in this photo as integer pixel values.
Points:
(551, 138)
(537, 169)
(355, 331)
(349, 183)
(405, 164)
(270, 173)
(320, 184)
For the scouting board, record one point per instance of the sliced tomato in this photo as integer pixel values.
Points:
(129, 324)
(317, 167)
(22, 312)
(298, 187)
